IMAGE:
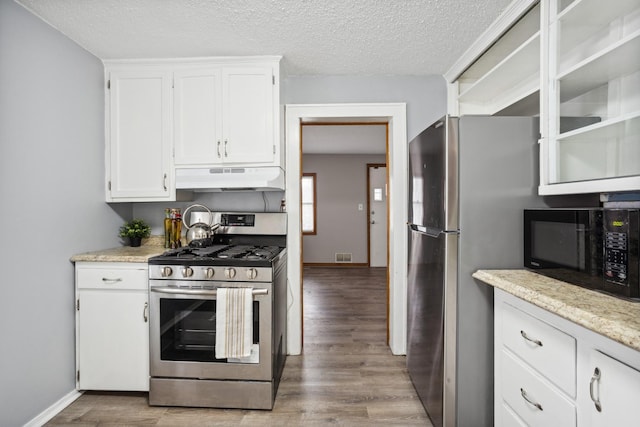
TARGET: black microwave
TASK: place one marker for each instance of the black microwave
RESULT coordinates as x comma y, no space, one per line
593,247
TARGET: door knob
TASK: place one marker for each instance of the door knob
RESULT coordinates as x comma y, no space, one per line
373,222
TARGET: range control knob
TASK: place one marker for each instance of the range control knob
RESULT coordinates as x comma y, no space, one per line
252,273
187,272
209,273
166,271
229,273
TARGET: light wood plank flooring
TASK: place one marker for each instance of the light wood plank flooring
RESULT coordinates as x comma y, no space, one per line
346,375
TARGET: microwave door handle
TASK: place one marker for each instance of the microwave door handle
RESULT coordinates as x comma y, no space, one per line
201,292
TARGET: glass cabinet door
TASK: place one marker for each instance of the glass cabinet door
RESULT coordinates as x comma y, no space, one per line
591,135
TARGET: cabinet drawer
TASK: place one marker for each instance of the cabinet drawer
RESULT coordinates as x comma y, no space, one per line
112,278
547,349
523,389
509,418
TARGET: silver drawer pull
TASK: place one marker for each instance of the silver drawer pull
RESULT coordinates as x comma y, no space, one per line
145,312
594,378
106,279
526,337
529,401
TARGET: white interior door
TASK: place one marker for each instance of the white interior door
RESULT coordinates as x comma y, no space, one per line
377,216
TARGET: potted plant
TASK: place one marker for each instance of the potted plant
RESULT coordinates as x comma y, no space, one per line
135,230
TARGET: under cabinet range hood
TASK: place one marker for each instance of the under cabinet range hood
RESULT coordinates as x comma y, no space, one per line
269,178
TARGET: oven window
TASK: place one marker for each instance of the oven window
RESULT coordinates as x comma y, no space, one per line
559,242
188,329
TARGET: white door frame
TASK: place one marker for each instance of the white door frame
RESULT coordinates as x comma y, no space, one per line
395,115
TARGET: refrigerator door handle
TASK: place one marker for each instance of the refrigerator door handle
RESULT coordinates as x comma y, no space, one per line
430,231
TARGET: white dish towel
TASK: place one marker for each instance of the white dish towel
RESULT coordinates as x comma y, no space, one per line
234,322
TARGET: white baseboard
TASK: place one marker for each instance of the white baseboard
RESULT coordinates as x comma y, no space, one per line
54,409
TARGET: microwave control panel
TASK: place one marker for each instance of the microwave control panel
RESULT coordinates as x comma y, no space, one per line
620,247
616,260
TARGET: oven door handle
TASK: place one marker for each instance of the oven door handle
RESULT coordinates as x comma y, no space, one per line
208,292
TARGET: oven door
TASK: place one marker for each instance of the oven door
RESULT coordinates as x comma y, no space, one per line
183,332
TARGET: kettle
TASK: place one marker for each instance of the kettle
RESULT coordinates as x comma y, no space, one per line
199,230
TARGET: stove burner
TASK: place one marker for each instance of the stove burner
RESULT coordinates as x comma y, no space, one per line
194,252
236,252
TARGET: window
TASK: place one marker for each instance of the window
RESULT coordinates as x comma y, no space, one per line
308,188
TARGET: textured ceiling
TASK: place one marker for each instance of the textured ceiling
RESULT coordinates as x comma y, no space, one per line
315,37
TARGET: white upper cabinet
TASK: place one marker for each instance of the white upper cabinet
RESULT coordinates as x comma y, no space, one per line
248,129
505,78
591,118
191,113
198,116
138,149
227,115
574,63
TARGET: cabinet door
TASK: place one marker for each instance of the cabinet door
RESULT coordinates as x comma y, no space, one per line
591,120
198,117
139,144
113,340
248,129
614,391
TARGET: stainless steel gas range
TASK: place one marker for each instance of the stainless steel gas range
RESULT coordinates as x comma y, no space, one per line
248,251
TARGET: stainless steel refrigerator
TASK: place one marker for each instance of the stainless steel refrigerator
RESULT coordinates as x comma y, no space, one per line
469,179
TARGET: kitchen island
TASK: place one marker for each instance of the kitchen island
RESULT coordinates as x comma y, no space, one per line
563,355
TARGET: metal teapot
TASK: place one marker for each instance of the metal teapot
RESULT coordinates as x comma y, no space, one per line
198,230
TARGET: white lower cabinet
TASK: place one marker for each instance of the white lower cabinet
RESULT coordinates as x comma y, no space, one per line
531,397
112,329
552,372
614,390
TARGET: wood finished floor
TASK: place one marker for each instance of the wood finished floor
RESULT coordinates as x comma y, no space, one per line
346,375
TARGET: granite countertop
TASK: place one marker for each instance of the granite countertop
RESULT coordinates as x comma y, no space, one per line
150,247
612,317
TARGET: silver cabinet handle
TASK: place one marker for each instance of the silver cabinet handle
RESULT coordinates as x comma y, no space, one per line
145,312
529,401
594,378
225,148
164,182
526,337
219,150
106,279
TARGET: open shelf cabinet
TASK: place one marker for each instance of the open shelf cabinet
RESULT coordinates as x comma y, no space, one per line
591,123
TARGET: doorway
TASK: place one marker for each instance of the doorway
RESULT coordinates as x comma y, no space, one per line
395,115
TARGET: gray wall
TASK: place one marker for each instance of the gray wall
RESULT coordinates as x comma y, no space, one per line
425,96
51,183
341,183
